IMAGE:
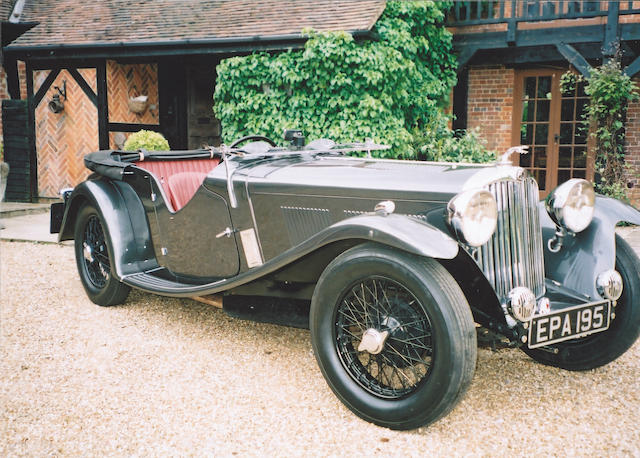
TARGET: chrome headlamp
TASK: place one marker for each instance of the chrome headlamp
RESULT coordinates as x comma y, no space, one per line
473,215
571,204
609,284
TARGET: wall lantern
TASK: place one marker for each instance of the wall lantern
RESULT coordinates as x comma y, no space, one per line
56,105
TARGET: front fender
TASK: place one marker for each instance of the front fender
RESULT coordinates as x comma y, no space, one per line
584,256
398,231
125,223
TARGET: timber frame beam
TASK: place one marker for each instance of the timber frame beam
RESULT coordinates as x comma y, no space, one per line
575,58
567,41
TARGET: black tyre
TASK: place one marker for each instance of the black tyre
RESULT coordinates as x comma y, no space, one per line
602,348
419,353
93,258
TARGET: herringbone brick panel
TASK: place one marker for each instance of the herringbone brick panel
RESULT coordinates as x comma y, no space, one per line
63,139
132,80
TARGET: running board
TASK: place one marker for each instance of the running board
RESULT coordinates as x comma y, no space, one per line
151,283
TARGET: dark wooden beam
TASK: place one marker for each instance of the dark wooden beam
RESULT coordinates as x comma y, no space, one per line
512,29
218,46
13,79
131,127
103,106
525,56
31,126
633,67
575,58
611,34
460,101
550,36
465,55
84,85
44,87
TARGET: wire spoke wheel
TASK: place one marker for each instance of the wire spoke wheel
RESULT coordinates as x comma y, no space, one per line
96,256
384,306
393,335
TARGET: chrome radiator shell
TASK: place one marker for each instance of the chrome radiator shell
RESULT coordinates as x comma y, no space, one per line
514,255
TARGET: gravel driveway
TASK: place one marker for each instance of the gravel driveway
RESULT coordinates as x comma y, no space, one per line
161,376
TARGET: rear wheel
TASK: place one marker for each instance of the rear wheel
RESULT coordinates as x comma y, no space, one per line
93,258
602,348
393,335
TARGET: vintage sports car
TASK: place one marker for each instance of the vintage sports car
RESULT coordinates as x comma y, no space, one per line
393,265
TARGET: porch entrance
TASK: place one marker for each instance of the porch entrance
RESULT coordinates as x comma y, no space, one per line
550,122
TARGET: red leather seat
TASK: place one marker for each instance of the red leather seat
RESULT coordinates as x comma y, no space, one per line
182,187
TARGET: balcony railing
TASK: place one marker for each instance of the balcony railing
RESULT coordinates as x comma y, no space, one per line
496,11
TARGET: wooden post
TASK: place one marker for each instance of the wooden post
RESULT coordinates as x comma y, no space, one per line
31,126
103,107
611,35
13,79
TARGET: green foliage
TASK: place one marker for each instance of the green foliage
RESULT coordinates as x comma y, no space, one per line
345,90
437,142
610,91
146,139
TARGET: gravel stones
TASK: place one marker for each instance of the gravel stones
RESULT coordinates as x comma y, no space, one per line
163,376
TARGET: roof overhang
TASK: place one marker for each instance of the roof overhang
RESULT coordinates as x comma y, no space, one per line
9,31
158,49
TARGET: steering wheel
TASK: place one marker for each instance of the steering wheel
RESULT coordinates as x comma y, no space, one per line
257,138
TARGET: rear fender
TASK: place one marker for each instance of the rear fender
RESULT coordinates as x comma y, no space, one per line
125,220
585,255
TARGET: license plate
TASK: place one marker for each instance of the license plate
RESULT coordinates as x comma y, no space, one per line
569,323
55,222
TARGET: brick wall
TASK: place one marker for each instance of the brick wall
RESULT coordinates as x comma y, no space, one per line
132,80
490,105
63,139
632,156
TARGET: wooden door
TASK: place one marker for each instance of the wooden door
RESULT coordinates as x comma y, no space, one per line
551,123
173,103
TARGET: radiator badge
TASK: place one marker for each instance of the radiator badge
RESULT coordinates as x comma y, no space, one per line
251,248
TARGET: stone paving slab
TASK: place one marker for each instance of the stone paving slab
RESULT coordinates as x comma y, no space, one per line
30,227
12,209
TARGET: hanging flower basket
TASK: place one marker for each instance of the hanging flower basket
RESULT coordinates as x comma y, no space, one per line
138,104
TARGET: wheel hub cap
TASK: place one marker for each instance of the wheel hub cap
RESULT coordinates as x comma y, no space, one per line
88,252
373,341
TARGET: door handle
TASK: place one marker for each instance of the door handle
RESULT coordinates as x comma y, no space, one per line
228,231
556,138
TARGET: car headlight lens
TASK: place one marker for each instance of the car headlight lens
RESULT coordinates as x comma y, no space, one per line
571,204
473,215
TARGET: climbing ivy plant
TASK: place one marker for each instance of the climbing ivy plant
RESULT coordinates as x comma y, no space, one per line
386,89
610,91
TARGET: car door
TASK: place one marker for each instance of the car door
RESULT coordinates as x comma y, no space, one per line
196,244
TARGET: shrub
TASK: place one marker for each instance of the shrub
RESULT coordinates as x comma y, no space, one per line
437,142
338,88
146,139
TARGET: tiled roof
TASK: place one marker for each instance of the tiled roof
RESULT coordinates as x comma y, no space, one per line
6,7
70,22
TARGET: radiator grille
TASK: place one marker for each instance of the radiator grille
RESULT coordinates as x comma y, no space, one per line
514,255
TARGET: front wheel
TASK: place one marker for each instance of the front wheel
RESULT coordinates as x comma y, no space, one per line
602,348
393,335
93,258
